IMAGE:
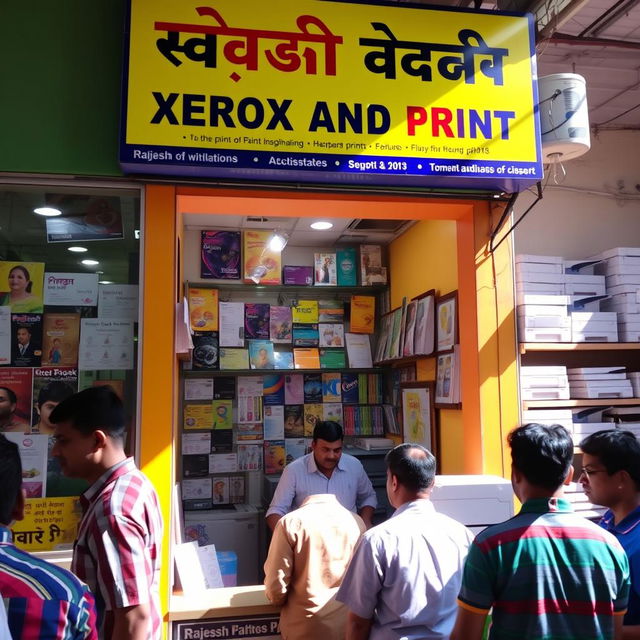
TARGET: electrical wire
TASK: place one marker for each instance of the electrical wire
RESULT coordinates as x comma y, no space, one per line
624,113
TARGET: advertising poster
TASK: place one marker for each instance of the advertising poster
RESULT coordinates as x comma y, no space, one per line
118,301
106,344
21,286
60,339
220,255
261,264
26,345
203,309
48,523
15,388
84,218
71,289
51,385
333,92
5,335
33,455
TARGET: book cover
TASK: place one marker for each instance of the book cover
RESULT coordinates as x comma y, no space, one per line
312,414
232,324
234,358
249,457
274,422
20,381
205,351
26,339
394,341
274,456
220,255
410,327
305,335
293,420
256,321
424,336
203,309
312,387
349,388
51,385
306,311
331,311
273,389
306,358
332,359
325,269
294,449
280,324
224,388
297,275
249,431
60,339
363,313
331,335
371,270
249,409
222,414
196,443
358,350
259,261
236,489
195,466
332,411
283,359
294,389
220,493
347,267
222,441
331,387
198,416
261,354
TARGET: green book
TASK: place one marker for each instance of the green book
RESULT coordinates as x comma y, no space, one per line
332,359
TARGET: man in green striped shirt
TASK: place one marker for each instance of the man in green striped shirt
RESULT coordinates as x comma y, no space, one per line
547,573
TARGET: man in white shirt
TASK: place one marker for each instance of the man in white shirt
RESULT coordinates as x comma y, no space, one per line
325,470
404,578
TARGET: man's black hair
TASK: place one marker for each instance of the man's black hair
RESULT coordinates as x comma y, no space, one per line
542,453
10,478
13,398
92,409
55,391
328,430
617,450
415,473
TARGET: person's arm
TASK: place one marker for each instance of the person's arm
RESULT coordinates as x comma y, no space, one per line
283,498
469,625
279,566
357,628
366,513
131,623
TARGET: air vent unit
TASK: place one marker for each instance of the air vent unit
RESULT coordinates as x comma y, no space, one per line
372,230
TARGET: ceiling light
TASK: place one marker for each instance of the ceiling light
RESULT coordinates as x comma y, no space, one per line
90,263
47,211
321,225
77,249
105,281
278,241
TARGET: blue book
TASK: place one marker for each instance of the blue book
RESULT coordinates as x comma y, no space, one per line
273,389
350,392
312,388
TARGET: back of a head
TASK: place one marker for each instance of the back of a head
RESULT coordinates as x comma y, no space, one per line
617,450
10,478
413,466
542,453
327,430
92,409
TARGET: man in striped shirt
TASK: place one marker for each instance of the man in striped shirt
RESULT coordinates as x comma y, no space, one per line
42,601
117,552
547,572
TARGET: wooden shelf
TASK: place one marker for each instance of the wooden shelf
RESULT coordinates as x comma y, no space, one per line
214,373
578,346
322,292
581,402
400,362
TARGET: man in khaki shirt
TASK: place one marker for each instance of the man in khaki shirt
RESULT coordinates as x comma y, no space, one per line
309,553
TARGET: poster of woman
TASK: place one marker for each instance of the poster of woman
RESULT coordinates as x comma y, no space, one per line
21,285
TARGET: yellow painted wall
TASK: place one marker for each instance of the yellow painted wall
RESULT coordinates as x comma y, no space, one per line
423,258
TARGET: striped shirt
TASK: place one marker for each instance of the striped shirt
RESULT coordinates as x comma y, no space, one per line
627,531
43,601
349,483
548,573
117,552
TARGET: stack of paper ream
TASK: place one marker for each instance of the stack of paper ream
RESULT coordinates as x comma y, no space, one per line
627,418
544,383
594,326
621,269
599,382
563,417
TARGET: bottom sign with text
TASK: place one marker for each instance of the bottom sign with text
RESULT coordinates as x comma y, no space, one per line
247,628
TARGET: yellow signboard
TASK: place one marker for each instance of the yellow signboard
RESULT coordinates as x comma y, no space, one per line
321,90
48,523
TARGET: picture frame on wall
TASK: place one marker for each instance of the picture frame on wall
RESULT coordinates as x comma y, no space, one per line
418,414
447,393
425,325
446,321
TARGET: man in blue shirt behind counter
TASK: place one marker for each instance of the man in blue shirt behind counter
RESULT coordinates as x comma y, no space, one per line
325,470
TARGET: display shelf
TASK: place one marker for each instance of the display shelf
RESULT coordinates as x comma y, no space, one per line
400,362
244,372
578,346
581,402
323,292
